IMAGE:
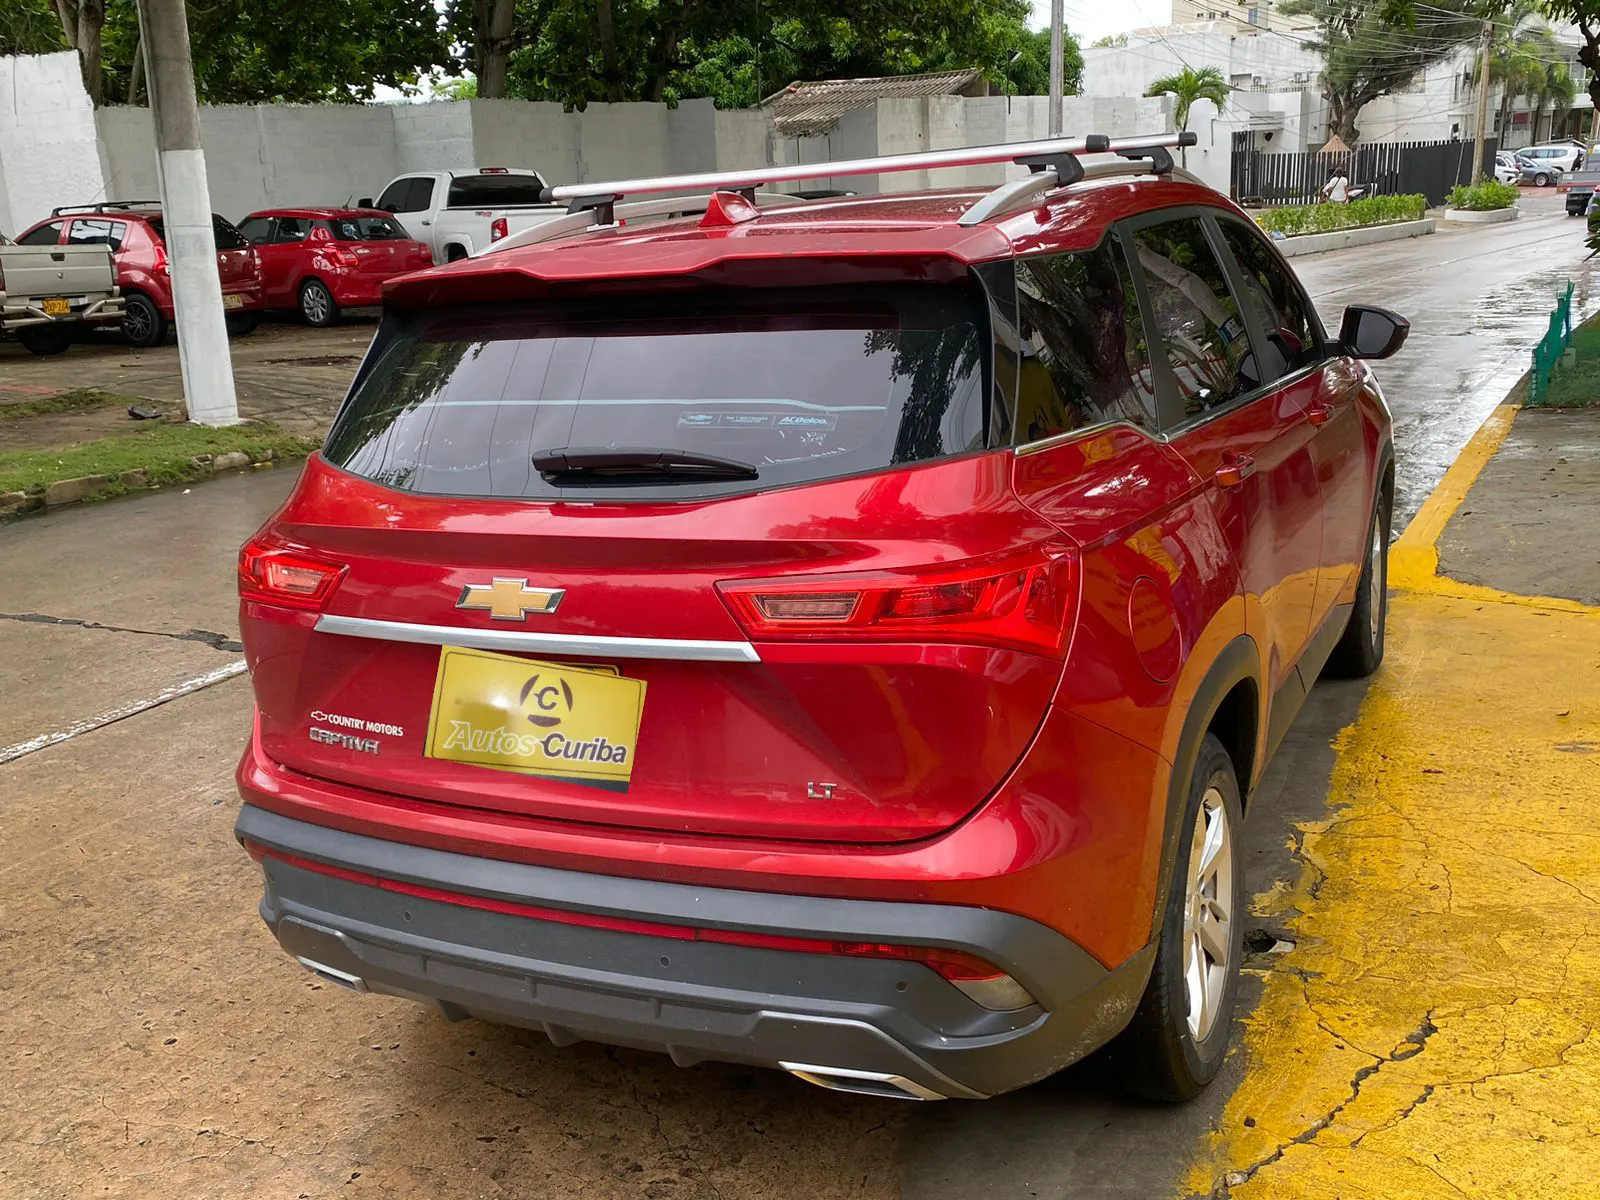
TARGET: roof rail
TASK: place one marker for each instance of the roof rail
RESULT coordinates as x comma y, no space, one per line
104,206
605,213
1054,151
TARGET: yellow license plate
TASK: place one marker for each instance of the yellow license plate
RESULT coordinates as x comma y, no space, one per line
535,718
233,301
57,306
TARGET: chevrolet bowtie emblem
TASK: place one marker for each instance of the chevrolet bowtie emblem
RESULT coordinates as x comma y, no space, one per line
510,599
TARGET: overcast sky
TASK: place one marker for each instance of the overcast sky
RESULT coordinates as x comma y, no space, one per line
1091,19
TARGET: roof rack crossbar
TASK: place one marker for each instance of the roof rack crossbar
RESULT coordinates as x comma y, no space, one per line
1051,172
927,160
581,218
104,206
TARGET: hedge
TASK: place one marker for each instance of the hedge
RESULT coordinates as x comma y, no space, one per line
1484,196
1294,220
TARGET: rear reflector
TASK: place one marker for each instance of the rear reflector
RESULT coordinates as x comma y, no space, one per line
289,578
1021,602
982,981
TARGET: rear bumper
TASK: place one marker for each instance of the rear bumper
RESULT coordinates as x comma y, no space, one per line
356,293
26,311
881,1026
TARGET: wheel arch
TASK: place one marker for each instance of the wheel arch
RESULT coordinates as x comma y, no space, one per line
1229,702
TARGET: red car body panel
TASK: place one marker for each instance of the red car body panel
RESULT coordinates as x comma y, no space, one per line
354,271
141,261
1032,780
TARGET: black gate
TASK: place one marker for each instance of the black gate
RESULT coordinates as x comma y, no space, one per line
1382,168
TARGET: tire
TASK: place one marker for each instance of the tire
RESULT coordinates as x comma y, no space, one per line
1163,1054
318,308
1541,180
142,322
1360,648
241,324
45,340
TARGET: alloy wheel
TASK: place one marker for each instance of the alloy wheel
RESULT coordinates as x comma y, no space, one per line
136,323
1208,914
315,304
1375,582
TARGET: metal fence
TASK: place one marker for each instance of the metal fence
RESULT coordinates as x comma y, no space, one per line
1552,346
1382,168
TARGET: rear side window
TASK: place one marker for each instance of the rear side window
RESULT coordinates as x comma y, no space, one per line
1084,355
802,385
494,191
1293,338
98,233
365,229
227,237
1195,315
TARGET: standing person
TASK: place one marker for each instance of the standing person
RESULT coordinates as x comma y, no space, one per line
1337,189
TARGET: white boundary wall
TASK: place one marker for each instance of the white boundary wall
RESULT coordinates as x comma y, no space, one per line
56,149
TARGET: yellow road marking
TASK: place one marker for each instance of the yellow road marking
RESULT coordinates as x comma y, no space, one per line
1414,557
1436,1030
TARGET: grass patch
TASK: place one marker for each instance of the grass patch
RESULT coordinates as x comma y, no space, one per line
162,450
73,401
1578,386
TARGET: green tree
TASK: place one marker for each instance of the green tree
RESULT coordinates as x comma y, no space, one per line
30,27
580,51
1189,86
1525,61
1585,14
1371,48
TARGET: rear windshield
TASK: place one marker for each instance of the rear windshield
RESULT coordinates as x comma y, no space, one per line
493,191
365,229
802,386
228,238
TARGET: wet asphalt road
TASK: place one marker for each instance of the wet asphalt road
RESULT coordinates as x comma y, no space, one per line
1478,299
162,1045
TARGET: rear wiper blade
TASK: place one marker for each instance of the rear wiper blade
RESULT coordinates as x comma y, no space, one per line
597,463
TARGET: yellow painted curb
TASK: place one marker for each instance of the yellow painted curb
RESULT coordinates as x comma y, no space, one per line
1414,557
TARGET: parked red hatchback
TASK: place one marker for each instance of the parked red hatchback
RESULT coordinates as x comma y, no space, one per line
834,636
317,261
135,231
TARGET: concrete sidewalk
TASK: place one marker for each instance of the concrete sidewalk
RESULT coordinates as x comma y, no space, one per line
1435,1032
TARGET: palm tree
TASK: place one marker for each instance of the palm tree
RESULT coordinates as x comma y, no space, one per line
1189,85
1525,60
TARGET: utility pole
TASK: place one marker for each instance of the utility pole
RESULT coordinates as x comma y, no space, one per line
186,206
1058,18
1479,168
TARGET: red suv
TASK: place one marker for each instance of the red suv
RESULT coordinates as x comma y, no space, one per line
135,232
319,260
837,636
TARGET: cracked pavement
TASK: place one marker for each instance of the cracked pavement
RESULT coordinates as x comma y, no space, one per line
1449,907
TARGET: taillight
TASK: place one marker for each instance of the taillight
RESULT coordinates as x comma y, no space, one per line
497,229
159,266
344,258
1022,602
288,578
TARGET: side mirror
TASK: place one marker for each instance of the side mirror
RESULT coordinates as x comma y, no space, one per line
1369,332
364,202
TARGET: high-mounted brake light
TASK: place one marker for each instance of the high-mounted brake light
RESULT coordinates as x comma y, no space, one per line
274,574
1022,602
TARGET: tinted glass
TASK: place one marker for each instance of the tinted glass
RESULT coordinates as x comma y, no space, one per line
804,385
394,196
227,237
46,235
292,229
97,233
494,191
419,196
1195,315
365,229
1280,306
257,230
1084,356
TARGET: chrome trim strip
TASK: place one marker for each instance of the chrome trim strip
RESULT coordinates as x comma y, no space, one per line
527,642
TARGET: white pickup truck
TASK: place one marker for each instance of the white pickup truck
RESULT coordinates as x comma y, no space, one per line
459,213
49,292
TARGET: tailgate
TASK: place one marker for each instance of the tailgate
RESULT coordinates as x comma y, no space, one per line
49,271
